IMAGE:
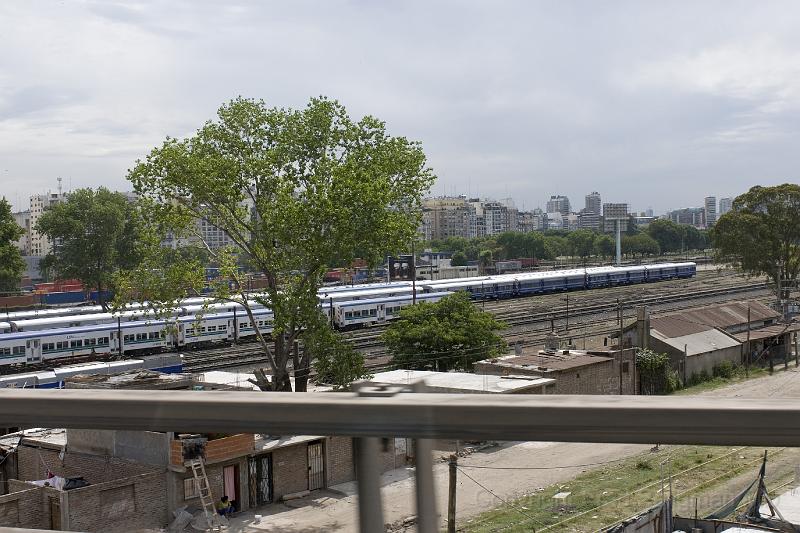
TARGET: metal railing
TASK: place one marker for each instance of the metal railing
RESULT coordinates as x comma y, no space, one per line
373,412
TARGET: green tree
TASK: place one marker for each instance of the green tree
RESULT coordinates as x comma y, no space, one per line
484,260
95,232
581,243
605,246
761,234
11,264
554,246
449,334
655,373
640,244
669,235
459,258
335,359
295,191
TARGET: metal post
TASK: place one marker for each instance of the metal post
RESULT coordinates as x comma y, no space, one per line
747,357
413,275
567,326
451,500
426,495
619,245
370,508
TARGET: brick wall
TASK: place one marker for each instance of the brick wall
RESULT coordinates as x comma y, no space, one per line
217,450
289,470
125,504
26,506
339,466
33,463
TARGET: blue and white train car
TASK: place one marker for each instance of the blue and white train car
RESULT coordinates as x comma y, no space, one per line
374,311
5,327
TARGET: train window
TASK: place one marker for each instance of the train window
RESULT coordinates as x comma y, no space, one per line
103,341
212,328
373,312
141,336
89,342
18,350
348,315
223,328
76,344
5,351
129,338
48,347
61,345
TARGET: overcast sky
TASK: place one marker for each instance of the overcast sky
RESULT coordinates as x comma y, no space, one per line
654,103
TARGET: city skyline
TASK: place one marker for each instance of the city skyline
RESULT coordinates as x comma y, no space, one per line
646,103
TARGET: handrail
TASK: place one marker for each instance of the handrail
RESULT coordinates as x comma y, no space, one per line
629,419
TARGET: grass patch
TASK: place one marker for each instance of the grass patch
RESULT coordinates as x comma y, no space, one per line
716,382
611,493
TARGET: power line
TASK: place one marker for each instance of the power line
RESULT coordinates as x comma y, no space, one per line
531,518
543,467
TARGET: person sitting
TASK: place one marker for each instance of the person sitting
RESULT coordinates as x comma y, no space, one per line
224,507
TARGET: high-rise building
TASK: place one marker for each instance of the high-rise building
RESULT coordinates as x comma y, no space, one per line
593,203
40,245
725,205
711,210
589,219
693,216
613,214
534,220
558,204
448,217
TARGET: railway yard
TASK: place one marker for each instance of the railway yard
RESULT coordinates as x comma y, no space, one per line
585,317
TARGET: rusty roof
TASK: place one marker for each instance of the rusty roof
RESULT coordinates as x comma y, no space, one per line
767,332
721,316
557,361
677,326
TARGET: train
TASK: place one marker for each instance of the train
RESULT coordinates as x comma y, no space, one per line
134,333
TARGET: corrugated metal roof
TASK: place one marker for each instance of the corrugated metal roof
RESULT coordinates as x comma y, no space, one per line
703,342
677,326
769,331
728,314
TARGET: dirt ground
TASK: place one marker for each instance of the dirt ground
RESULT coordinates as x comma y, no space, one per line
335,509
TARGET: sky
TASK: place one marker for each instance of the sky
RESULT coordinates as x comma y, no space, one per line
657,104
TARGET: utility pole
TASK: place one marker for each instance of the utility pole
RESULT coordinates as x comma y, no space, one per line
567,326
413,275
451,500
747,358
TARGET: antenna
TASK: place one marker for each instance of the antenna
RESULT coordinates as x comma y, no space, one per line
59,186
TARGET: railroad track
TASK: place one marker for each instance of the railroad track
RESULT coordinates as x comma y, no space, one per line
519,314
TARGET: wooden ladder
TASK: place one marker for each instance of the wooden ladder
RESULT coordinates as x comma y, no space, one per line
206,499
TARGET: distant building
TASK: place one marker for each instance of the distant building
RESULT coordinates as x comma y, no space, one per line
528,221
448,217
725,205
613,214
693,216
40,245
589,220
648,212
593,203
711,210
558,204
23,220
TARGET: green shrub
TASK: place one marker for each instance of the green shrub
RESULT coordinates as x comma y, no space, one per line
725,370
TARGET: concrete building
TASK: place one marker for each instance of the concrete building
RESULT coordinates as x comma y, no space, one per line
693,216
711,210
558,204
23,220
725,205
697,340
593,203
40,245
613,214
528,221
589,220
465,383
448,217
571,371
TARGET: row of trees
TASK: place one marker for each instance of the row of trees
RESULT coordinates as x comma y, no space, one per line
661,236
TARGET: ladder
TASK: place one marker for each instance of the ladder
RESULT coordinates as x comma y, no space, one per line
206,499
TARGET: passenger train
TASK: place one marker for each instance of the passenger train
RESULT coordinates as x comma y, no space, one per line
38,340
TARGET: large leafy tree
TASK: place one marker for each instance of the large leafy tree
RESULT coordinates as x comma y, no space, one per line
11,264
294,191
761,234
640,244
449,334
94,232
669,235
581,243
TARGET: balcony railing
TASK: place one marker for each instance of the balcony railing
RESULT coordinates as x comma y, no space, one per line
376,412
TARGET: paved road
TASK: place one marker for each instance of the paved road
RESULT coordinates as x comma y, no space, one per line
335,509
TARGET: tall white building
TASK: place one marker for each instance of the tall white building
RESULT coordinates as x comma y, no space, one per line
711,210
23,220
558,204
725,205
40,245
593,203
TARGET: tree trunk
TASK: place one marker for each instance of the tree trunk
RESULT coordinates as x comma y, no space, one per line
302,369
281,381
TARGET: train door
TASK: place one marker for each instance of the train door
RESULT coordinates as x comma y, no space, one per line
381,312
33,351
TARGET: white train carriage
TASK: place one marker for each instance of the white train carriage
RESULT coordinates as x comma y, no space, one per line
5,327
373,311
13,350
196,331
263,319
370,294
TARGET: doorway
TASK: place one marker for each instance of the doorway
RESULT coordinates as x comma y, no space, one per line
230,484
316,466
260,479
